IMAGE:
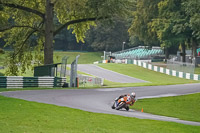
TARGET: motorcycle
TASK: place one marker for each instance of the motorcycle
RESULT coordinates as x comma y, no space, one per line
122,103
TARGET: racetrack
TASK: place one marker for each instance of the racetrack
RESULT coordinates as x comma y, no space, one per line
100,100
107,74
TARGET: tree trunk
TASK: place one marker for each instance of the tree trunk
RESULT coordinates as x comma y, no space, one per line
183,53
48,46
194,51
166,54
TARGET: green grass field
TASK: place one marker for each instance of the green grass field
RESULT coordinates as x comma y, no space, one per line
197,70
154,78
85,57
185,107
19,116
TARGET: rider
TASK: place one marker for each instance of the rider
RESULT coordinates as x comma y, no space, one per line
130,96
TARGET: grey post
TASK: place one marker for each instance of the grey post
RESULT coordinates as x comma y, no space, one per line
73,74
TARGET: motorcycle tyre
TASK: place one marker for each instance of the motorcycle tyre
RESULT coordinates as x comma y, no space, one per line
113,106
127,108
121,106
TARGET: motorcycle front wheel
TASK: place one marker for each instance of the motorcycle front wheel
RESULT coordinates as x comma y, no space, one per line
127,108
113,106
121,105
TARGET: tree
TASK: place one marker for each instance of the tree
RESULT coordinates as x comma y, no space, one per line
192,10
65,40
167,25
21,19
168,22
109,37
176,24
146,11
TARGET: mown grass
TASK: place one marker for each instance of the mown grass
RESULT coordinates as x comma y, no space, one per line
85,57
197,70
185,107
19,116
154,78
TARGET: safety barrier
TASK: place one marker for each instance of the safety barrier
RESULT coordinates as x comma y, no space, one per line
22,82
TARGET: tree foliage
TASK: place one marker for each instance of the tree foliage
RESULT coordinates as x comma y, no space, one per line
109,37
146,11
22,19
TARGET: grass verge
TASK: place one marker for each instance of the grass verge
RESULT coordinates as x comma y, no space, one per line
197,70
85,57
185,107
22,116
154,78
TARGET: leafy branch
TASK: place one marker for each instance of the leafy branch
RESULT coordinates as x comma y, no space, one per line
28,36
18,26
74,22
42,15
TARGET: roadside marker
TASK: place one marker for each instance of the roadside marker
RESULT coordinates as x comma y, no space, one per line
142,110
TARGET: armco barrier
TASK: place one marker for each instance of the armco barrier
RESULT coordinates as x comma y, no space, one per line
166,71
22,82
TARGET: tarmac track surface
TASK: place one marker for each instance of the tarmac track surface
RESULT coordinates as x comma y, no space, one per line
100,100
107,74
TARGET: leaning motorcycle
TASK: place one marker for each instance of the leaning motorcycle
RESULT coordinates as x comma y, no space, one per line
121,103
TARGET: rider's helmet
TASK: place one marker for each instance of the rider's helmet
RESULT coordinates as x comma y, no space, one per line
133,95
